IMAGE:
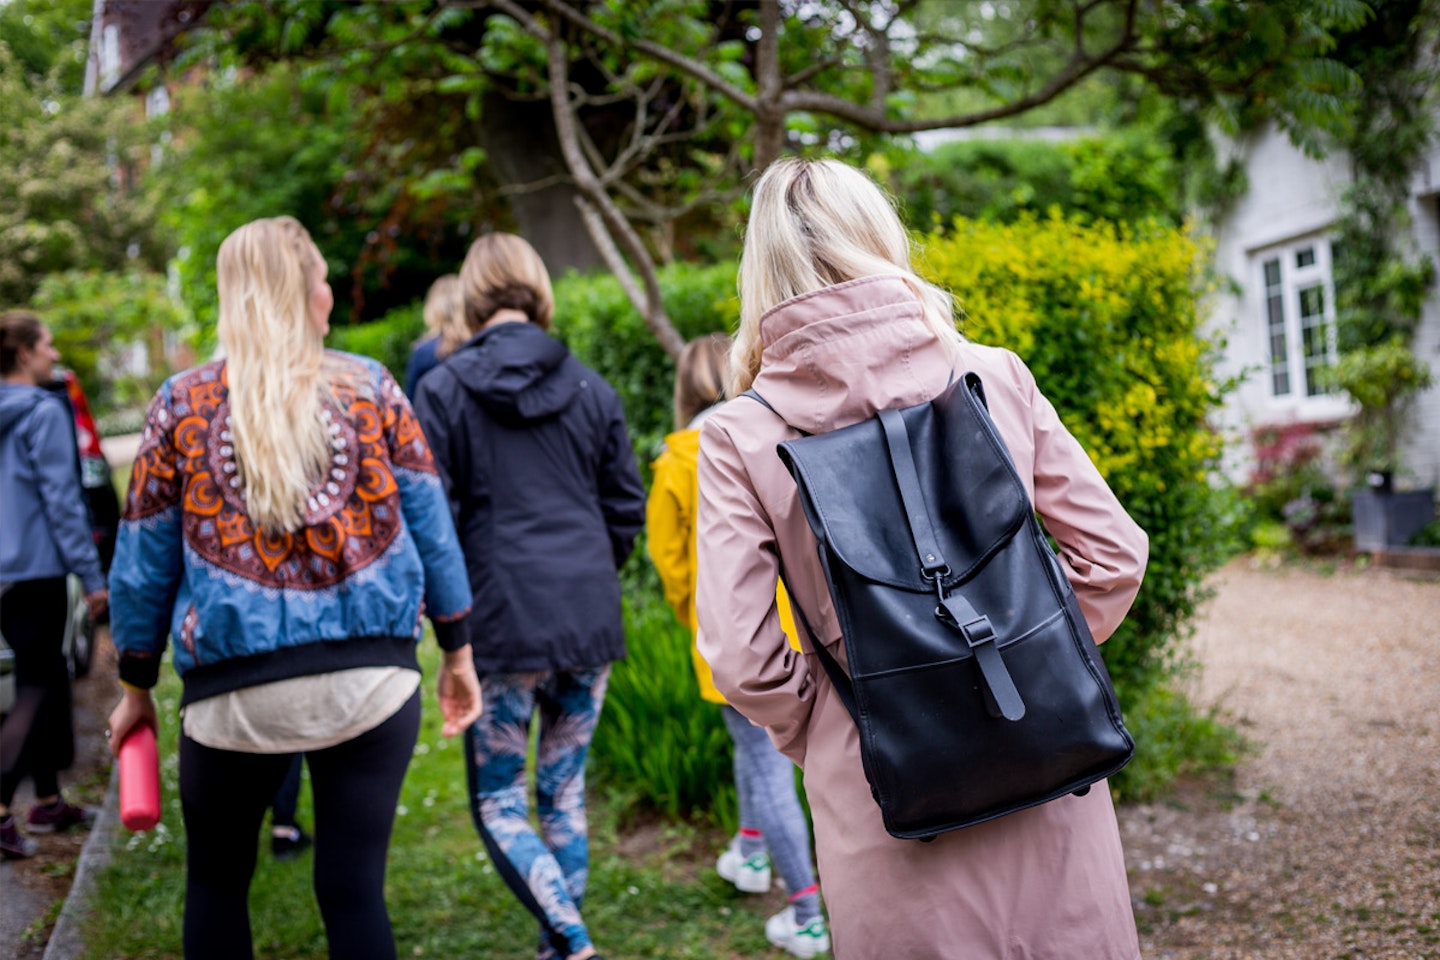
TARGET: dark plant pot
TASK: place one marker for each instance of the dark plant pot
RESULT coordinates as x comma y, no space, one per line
1390,518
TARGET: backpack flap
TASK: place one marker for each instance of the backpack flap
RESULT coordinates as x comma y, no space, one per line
849,494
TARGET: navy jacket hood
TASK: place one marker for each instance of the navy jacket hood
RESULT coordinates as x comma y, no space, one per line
518,372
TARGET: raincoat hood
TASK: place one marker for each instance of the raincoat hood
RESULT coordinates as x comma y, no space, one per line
518,372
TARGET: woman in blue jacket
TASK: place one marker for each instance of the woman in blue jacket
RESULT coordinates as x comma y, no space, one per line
535,457
285,524
44,534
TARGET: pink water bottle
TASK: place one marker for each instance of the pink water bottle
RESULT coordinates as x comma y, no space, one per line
139,779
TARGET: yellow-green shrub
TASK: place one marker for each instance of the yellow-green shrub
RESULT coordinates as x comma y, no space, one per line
1108,319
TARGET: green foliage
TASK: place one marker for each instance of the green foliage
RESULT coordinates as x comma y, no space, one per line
1381,378
286,141
1380,290
389,339
605,332
1108,319
1427,536
48,37
1173,739
1291,489
64,204
99,321
658,742
1114,177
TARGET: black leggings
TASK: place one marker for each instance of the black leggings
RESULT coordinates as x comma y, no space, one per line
38,736
355,786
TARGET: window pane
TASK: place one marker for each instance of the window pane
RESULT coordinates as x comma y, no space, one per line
1305,257
1315,336
1275,329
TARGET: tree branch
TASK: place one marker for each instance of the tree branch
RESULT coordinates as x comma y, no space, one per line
870,118
679,61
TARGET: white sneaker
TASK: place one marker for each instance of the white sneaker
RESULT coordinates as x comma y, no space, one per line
786,933
750,875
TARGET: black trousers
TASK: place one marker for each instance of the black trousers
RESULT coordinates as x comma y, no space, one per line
38,735
356,785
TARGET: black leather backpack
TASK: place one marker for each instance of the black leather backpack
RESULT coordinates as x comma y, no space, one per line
974,680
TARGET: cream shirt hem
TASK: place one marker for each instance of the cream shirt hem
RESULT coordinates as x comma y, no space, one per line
301,713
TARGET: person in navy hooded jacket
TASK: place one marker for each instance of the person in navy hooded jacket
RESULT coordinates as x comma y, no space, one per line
44,535
532,448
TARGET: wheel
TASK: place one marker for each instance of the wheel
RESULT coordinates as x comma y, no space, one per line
79,632
82,651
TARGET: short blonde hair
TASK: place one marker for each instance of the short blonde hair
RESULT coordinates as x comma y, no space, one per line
503,271
701,373
445,314
813,224
274,356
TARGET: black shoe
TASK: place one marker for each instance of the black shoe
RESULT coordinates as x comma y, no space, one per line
288,848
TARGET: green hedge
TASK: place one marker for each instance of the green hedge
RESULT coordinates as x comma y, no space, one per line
1109,321
598,323
1115,177
389,339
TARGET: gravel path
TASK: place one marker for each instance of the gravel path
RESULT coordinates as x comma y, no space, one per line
1327,844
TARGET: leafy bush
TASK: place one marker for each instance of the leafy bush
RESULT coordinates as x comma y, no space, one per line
593,316
1114,177
1290,486
1427,536
1108,320
389,339
658,742
1174,739
119,332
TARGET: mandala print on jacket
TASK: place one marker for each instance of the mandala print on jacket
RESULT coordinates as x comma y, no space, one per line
352,513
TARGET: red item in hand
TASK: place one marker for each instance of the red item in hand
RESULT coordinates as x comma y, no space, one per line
139,779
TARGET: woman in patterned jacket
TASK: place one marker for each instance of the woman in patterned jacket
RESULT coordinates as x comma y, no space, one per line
285,523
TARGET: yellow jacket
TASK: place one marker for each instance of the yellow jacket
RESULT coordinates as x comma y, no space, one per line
670,529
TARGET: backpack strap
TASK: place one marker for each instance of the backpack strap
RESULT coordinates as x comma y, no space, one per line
838,677
954,610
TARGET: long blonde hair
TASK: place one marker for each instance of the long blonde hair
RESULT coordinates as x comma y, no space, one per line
274,356
700,375
813,224
445,314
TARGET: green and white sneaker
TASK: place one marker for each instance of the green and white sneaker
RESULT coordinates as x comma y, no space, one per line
749,874
808,940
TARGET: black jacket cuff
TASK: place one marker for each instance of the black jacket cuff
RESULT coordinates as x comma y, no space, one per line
139,671
452,635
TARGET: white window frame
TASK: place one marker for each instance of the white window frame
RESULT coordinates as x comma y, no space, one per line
1284,286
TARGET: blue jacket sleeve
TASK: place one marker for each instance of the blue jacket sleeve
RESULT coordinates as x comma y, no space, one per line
427,517
52,447
622,495
149,560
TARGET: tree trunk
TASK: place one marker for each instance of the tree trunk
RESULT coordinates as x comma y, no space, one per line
519,140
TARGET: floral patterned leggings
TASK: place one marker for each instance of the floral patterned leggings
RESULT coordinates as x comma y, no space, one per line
547,875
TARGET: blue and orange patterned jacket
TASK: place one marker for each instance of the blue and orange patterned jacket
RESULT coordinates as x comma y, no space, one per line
377,550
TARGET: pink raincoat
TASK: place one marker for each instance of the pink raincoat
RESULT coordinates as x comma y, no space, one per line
1048,882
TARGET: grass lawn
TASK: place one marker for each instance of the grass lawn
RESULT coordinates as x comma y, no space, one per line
653,889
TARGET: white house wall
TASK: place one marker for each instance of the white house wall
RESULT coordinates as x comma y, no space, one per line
1421,446
1292,200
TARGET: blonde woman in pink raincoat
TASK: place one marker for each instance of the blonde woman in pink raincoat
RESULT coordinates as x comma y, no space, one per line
835,326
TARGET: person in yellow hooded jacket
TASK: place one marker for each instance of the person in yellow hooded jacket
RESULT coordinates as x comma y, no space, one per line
774,834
